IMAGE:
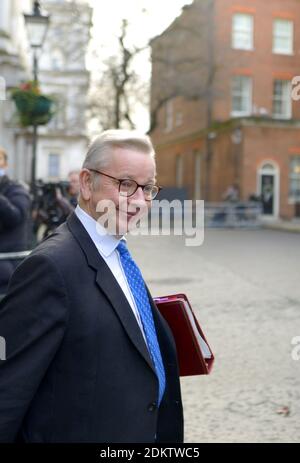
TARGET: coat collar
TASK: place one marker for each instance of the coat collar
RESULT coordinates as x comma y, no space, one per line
105,242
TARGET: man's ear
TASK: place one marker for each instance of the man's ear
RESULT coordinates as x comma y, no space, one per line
85,180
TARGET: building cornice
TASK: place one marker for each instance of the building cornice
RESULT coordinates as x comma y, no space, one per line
229,125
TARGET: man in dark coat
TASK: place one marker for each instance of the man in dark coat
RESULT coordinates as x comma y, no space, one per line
14,216
89,358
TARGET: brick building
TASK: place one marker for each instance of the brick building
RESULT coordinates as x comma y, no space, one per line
222,111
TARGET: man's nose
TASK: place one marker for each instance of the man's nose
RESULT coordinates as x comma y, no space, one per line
139,194
138,200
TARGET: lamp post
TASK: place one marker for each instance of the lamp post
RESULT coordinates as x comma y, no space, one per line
37,25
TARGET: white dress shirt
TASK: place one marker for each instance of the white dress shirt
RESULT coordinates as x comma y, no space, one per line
106,245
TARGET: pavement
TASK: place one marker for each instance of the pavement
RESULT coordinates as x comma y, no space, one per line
283,225
244,288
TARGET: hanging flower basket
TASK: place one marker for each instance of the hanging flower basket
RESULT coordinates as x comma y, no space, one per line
33,107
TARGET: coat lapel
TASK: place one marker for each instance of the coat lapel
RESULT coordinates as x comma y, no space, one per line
109,286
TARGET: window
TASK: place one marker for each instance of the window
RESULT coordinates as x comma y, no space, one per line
283,32
295,178
53,165
178,119
282,101
57,60
241,96
58,121
268,168
242,31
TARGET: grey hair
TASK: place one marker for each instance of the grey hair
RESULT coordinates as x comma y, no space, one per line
100,150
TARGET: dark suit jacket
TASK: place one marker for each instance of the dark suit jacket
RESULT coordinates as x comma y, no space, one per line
14,225
14,215
77,367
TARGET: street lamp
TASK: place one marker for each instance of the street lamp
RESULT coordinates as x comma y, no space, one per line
37,25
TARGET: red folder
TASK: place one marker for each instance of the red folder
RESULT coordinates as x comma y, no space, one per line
195,357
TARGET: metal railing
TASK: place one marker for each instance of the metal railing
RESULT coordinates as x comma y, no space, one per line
233,215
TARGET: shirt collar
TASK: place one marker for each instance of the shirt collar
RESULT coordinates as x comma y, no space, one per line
105,242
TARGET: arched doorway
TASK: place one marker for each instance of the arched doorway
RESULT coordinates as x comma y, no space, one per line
268,188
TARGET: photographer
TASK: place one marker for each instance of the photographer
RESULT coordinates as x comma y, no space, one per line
14,215
74,187
68,202
54,203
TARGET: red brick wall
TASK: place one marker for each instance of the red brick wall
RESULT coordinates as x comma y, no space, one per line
261,63
179,65
282,143
166,163
267,140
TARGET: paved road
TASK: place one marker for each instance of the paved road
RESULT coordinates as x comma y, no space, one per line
245,288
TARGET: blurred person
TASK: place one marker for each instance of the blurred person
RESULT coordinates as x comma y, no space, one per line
14,217
91,359
74,187
232,194
54,203
68,202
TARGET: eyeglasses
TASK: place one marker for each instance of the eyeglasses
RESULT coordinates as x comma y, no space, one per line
128,187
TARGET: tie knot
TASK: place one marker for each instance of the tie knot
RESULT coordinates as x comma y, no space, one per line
122,247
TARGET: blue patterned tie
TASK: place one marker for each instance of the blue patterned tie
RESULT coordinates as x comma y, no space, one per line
139,292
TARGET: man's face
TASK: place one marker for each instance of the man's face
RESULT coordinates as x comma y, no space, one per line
3,163
74,185
124,164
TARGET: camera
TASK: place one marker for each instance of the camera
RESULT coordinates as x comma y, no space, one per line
47,210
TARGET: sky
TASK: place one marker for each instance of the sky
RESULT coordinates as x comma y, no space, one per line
147,18
158,15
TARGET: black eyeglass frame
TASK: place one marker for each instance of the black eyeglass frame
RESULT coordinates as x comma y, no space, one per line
120,180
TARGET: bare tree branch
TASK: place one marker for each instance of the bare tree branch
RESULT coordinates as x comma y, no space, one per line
120,81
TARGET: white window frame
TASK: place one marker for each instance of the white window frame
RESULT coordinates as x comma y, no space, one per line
247,111
58,121
285,98
58,157
294,176
242,38
289,37
179,119
57,60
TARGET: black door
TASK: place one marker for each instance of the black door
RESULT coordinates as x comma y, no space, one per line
267,194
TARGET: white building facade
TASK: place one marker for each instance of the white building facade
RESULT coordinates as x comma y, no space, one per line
14,67
63,75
